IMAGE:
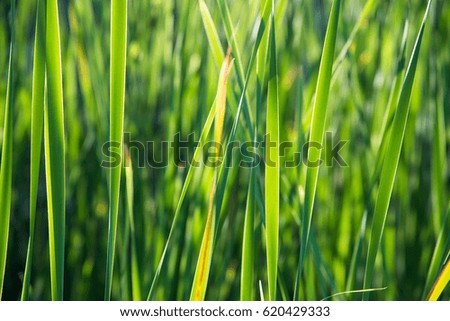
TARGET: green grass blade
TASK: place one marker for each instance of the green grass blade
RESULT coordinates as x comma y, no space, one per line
272,176
317,133
117,106
54,151
248,244
391,160
135,277
205,257
7,161
37,122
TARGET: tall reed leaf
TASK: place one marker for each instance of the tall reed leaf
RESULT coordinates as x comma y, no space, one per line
316,134
272,176
205,257
248,244
117,101
7,161
54,151
37,121
391,160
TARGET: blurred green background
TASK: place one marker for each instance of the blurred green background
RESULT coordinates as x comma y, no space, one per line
170,85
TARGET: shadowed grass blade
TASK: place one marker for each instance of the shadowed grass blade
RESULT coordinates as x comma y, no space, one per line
37,122
316,134
7,161
117,101
391,160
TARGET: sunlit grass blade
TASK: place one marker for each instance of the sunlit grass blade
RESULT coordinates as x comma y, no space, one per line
7,160
316,134
54,151
440,250
135,277
205,257
37,122
440,283
272,174
117,106
391,160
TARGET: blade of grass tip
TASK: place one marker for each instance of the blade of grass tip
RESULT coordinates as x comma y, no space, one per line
54,150
316,134
439,252
7,161
206,250
261,291
391,160
353,292
272,175
37,122
135,278
440,283
117,109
